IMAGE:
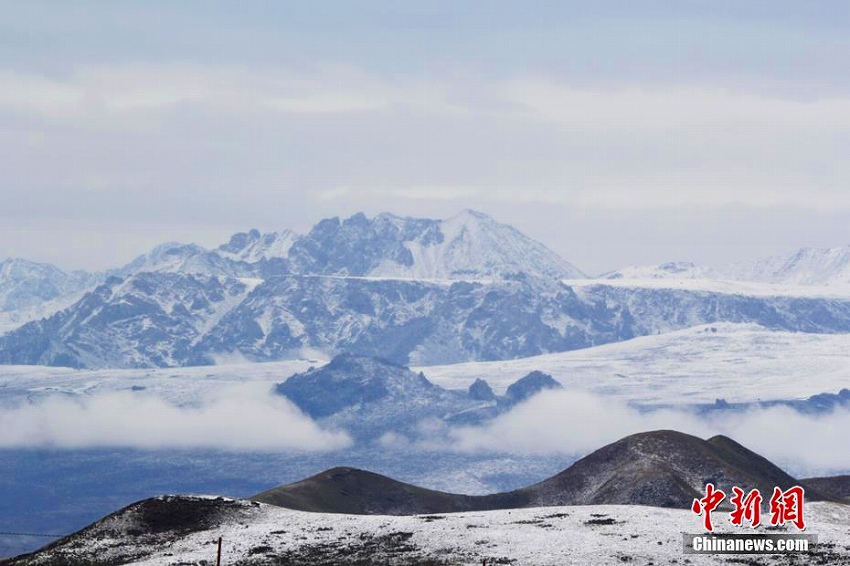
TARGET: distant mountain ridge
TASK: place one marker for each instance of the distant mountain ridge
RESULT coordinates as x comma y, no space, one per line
468,246
165,319
415,291
807,266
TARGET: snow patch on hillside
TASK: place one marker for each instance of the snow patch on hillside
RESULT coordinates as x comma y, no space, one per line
586,535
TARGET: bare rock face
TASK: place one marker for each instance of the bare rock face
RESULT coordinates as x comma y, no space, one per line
530,385
370,397
480,390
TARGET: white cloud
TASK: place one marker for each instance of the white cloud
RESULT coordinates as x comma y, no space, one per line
103,92
813,444
237,419
573,422
681,108
569,422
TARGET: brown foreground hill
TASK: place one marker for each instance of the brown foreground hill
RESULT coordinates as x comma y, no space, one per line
662,468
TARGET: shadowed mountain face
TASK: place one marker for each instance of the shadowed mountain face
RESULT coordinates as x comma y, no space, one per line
348,490
369,397
837,487
351,381
661,468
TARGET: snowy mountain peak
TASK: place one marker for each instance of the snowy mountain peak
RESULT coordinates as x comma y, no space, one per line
807,266
469,245
254,246
350,380
170,256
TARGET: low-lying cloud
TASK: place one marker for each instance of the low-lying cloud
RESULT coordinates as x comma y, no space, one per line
573,422
239,419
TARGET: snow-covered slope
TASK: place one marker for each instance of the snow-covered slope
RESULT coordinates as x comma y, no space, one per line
10,320
253,247
671,270
740,362
25,284
469,246
807,266
149,319
254,534
187,259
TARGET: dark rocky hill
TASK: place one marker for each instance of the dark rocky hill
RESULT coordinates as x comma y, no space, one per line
661,468
369,397
835,486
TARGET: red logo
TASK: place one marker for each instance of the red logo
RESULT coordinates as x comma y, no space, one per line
746,508
785,506
707,504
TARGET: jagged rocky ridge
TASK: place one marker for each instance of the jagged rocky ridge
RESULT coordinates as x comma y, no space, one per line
819,404
370,397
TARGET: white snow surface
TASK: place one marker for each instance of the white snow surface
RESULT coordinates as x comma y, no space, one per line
267,246
475,246
642,280
807,266
738,362
188,386
10,320
537,536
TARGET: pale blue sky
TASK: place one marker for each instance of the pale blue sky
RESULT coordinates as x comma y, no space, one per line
615,132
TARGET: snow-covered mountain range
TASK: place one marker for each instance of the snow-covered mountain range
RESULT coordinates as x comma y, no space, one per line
415,291
174,319
468,246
